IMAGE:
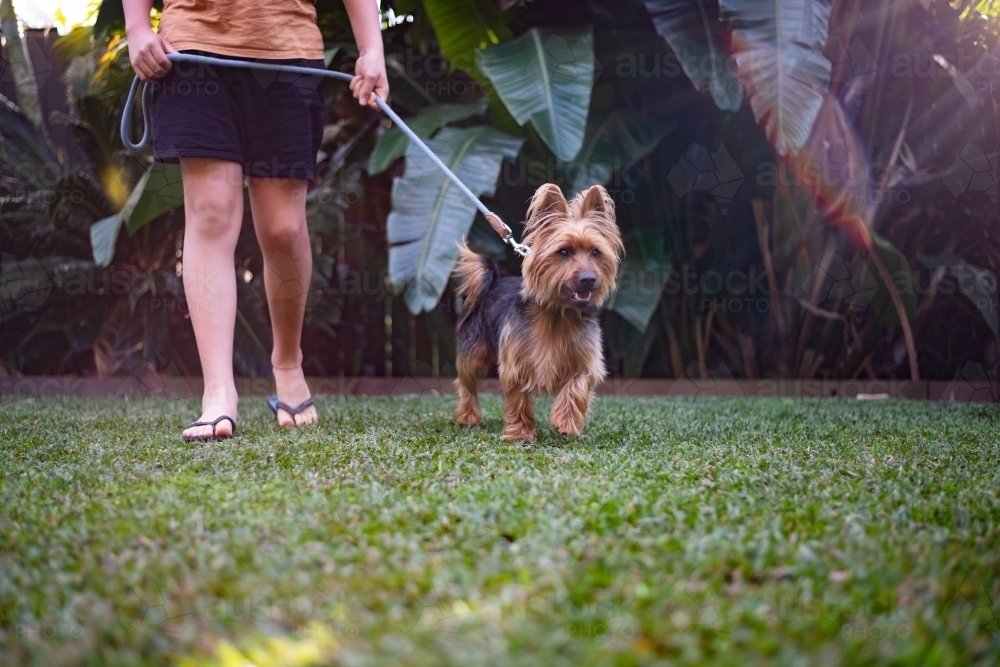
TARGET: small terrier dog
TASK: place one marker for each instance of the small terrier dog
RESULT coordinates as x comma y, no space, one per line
541,330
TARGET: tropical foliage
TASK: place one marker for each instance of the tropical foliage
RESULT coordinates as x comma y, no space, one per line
807,187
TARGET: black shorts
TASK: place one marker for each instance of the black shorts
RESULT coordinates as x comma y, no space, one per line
271,123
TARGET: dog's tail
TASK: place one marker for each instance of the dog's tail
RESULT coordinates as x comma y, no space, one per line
476,274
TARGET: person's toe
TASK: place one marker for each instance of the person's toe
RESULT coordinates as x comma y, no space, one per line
307,416
198,431
223,429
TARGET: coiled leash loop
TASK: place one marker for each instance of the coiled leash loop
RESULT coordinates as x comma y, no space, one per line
498,225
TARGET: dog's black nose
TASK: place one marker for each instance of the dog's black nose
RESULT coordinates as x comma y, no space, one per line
587,280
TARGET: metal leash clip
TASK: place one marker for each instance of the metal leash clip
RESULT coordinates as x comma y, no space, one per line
501,228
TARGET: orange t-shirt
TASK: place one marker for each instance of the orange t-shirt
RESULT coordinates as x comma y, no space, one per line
271,29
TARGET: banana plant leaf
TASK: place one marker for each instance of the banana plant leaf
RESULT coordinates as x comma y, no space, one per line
18,63
614,141
164,191
484,240
641,277
696,38
24,284
778,48
392,145
977,283
462,26
430,215
104,232
632,346
901,273
545,77
410,86
26,155
158,190
848,282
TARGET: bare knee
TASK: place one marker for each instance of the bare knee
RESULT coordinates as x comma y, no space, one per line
213,215
281,235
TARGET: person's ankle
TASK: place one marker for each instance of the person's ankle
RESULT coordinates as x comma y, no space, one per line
219,393
287,363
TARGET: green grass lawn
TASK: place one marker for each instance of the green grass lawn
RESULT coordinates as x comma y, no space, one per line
675,531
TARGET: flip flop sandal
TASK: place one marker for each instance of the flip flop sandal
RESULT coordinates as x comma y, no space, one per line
210,438
276,405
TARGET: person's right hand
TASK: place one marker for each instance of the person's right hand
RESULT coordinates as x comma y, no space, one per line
148,53
370,77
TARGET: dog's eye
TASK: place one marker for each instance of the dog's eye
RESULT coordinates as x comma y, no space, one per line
564,253
595,253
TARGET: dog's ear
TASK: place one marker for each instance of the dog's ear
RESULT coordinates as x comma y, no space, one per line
548,201
596,200
597,206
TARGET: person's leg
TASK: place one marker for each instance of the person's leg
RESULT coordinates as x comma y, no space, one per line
279,217
213,215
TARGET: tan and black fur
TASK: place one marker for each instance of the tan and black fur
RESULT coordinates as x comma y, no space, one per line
541,330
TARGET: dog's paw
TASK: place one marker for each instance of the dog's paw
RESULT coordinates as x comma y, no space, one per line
565,423
468,414
518,433
467,418
567,428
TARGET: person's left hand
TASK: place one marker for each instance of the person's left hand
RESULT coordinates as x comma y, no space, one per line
370,77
